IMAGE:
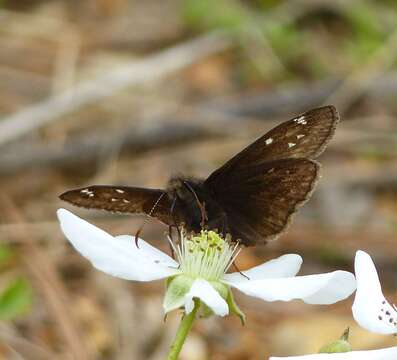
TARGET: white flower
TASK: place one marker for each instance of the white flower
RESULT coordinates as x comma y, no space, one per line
382,354
370,308
200,272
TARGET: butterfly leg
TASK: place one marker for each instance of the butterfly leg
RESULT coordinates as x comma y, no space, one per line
137,235
171,241
172,212
200,204
204,217
225,225
241,273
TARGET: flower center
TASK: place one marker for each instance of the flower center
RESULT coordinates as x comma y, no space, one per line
206,255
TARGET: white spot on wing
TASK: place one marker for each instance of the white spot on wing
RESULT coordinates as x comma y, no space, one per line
87,192
301,120
114,199
300,136
269,141
120,191
290,145
126,201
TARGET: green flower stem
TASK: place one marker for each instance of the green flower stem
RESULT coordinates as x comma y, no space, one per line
183,330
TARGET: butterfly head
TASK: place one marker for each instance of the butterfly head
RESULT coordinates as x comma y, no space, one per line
176,188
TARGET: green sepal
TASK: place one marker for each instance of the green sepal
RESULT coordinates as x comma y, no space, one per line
339,346
221,288
177,288
233,307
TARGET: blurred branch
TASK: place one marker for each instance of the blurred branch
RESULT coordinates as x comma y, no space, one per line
25,348
86,149
207,119
138,72
363,76
297,98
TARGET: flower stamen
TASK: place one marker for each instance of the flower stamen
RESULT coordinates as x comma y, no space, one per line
205,255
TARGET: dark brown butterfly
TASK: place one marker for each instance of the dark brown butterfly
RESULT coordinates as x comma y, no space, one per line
252,197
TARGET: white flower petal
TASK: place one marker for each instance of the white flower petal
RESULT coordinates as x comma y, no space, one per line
313,289
117,256
381,354
370,308
284,266
204,291
148,251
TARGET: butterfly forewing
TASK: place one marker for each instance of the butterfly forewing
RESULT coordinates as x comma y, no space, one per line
263,185
260,203
304,136
124,199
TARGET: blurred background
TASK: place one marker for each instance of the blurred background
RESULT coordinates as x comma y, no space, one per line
132,92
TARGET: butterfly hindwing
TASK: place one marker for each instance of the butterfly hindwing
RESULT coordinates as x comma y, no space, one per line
260,203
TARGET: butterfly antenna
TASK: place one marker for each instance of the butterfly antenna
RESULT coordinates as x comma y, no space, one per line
204,217
147,219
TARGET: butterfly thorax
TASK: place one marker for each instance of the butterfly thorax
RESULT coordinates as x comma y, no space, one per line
195,202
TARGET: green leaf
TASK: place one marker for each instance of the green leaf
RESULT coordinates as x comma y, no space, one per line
207,14
16,300
6,254
368,32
